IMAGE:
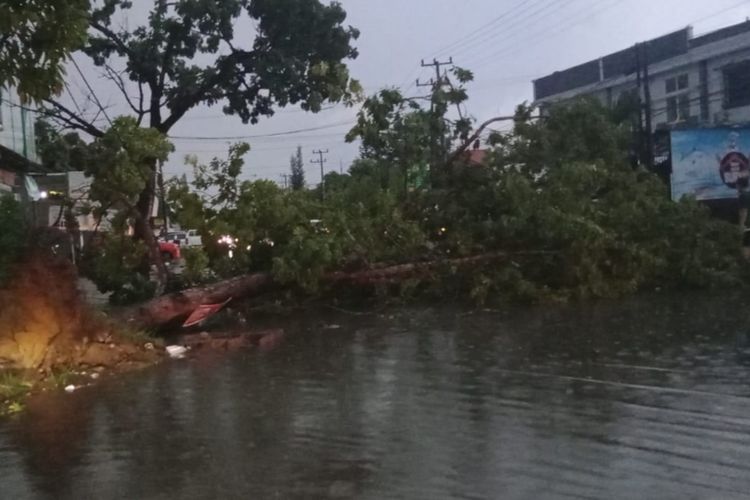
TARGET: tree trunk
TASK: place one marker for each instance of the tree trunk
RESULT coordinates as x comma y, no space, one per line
170,310
145,233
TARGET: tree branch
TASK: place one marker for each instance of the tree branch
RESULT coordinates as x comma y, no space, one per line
185,103
74,120
116,78
140,102
112,36
462,149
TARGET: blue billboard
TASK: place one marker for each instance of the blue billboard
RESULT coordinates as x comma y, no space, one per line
710,164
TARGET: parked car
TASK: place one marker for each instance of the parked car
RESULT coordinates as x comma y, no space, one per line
176,237
194,239
185,239
169,251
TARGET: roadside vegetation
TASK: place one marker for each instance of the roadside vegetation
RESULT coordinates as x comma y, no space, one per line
553,209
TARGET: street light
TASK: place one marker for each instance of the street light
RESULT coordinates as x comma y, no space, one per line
230,243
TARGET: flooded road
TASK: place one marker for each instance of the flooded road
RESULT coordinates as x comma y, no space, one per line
647,398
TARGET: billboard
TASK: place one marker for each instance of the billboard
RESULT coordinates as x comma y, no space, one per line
710,164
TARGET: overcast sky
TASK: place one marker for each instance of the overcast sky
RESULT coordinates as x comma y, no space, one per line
507,43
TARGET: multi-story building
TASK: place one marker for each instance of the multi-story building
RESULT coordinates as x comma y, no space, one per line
692,80
17,142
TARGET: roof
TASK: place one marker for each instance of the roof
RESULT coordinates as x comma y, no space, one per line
612,65
715,36
623,62
14,162
476,156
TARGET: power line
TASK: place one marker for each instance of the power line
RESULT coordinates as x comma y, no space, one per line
260,136
277,113
537,39
269,140
480,31
543,34
93,94
518,27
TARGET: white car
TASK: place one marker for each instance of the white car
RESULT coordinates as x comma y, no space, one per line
185,239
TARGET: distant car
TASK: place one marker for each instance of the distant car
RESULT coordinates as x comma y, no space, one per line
176,237
169,251
194,239
185,239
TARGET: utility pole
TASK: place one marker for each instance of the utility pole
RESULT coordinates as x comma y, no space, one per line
647,96
437,65
321,161
285,177
639,84
436,127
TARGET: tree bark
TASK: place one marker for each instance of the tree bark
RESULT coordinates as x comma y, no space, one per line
145,233
170,310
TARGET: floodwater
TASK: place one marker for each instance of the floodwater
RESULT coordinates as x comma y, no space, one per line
646,398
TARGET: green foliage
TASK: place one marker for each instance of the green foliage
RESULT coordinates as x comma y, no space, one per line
12,234
36,37
297,170
115,264
582,132
558,199
220,176
196,269
186,207
295,58
122,162
13,386
120,167
60,153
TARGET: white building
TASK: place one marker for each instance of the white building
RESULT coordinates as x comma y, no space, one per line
696,81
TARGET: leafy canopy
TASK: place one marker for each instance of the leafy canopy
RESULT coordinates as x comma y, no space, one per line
297,169
36,37
191,52
121,163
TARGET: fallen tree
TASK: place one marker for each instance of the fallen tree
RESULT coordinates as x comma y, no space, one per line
170,310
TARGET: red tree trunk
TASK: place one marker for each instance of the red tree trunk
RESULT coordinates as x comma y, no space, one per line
169,309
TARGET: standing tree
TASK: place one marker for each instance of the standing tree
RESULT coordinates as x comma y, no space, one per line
36,37
120,168
297,166
188,54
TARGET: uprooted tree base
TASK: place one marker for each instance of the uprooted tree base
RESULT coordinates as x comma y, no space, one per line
45,325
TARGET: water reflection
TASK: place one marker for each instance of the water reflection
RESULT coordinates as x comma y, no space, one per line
640,398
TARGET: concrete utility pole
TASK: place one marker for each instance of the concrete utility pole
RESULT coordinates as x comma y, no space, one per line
639,83
645,127
436,126
647,97
322,161
437,65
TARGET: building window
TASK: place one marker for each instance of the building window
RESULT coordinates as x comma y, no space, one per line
682,82
676,83
678,108
737,85
683,105
671,85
